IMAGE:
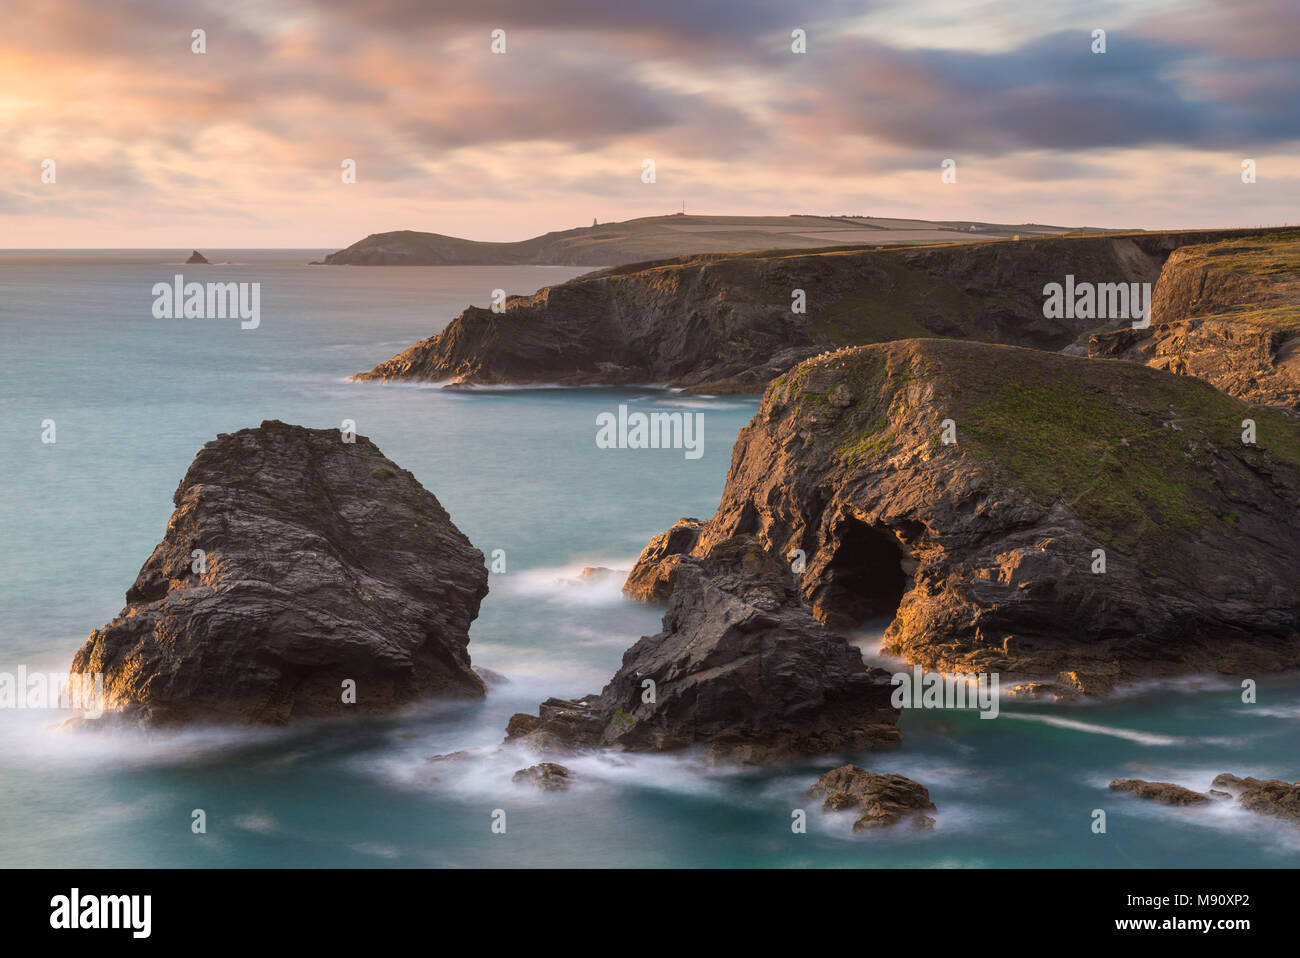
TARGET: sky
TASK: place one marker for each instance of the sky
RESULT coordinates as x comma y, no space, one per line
243,145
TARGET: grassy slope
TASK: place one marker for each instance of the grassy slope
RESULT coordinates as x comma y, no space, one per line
1143,457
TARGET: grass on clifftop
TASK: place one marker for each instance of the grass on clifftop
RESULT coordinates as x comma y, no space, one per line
1272,264
1144,458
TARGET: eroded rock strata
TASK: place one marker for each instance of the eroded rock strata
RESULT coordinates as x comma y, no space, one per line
1228,313
293,562
726,323
984,554
741,671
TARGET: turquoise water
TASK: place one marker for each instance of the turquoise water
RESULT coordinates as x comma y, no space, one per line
134,397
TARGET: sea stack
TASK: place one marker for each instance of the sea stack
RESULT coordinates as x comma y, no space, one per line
197,257
1016,511
300,575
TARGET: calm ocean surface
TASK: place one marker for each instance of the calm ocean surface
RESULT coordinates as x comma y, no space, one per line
134,398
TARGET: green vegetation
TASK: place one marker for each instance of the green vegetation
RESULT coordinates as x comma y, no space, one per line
383,472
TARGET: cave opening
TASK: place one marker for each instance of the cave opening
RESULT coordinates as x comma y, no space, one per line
866,577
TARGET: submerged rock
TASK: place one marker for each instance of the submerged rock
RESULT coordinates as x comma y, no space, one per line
741,670
293,563
882,800
1164,792
1050,518
197,257
548,776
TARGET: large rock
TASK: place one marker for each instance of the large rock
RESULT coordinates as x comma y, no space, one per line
324,561
197,258
1228,313
741,670
881,800
981,553
725,323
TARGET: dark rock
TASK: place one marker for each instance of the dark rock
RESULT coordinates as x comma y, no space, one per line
741,670
548,776
197,257
1163,792
324,562
980,553
883,800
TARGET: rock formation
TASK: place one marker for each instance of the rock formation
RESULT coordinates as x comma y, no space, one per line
1164,792
741,670
197,257
729,323
293,563
1271,797
547,776
882,800
972,496
1228,313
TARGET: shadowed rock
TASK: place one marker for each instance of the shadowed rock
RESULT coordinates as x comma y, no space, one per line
741,670
548,776
293,562
1271,797
197,257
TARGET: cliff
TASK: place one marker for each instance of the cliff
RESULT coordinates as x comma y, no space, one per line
1228,313
983,553
725,323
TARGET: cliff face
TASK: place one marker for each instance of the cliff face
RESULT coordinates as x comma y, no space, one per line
1228,313
725,323
982,553
293,563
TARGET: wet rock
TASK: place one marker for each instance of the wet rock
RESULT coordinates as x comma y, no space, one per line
1271,797
548,776
293,563
741,670
1164,792
882,800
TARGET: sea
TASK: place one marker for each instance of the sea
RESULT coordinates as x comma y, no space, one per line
129,398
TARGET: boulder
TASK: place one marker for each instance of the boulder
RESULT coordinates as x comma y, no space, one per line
882,800
1164,792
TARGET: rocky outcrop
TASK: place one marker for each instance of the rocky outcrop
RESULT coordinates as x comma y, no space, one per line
1271,797
729,323
882,800
547,776
197,258
1164,792
655,573
294,562
1228,313
741,671
971,495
